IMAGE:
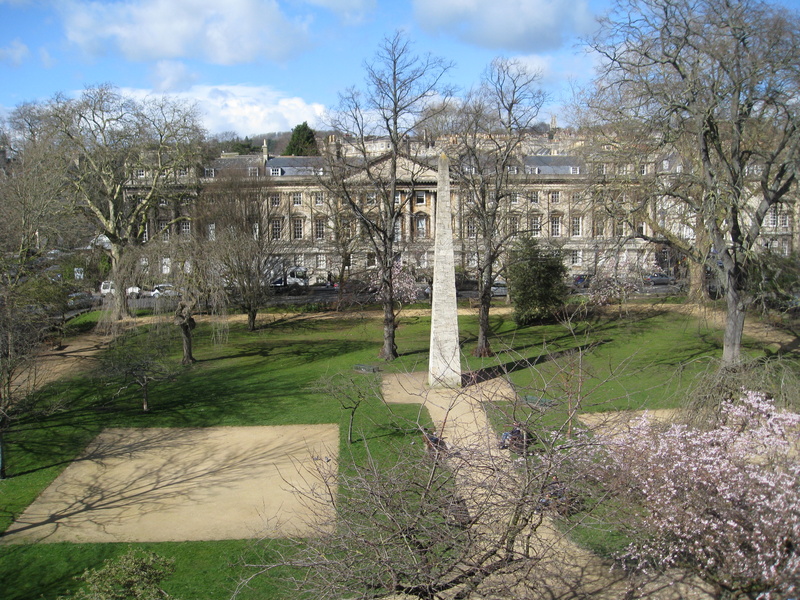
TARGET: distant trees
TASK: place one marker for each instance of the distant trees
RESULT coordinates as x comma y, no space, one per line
400,92
303,142
241,227
708,88
535,276
120,157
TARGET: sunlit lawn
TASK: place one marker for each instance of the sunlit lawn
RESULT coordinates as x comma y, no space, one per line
271,377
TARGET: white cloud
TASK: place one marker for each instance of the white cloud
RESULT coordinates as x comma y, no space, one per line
171,76
228,32
15,53
518,25
248,110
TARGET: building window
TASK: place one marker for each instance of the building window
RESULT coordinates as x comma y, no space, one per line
575,170
576,227
472,230
555,226
514,198
555,197
275,171
600,169
145,232
212,232
186,228
276,229
420,196
163,227
139,173
665,165
319,229
536,226
255,229
422,226
297,198
208,172
513,225
320,261
297,229
372,260
397,198
319,198
274,200
166,265
598,227
512,170
783,220
639,228
619,227
772,216
575,257
534,197
533,170
162,201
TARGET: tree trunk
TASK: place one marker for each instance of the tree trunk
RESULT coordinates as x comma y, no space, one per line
697,282
251,319
184,319
389,349
186,334
734,324
2,452
118,298
145,396
484,347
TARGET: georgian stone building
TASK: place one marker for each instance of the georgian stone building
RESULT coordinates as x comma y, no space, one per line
551,195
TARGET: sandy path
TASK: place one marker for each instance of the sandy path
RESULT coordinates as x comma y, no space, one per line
158,485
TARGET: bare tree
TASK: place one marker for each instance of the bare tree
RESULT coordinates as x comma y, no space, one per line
234,226
32,214
121,156
400,90
489,134
697,102
137,359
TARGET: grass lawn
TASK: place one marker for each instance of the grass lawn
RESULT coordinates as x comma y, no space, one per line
271,376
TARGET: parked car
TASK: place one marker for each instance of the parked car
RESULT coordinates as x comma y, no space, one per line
166,290
80,300
581,281
659,279
106,288
500,288
133,292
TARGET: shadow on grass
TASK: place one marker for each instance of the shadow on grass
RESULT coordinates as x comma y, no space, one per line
485,374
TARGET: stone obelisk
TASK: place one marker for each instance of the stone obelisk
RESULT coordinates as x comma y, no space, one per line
444,368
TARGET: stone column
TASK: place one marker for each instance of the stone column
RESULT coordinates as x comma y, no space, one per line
444,369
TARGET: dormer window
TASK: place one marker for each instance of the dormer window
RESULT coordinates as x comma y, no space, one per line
252,171
275,171
208,172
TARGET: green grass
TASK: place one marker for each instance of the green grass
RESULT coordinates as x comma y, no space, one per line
271,376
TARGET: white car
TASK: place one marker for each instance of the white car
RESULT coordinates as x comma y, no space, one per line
166,290
106,288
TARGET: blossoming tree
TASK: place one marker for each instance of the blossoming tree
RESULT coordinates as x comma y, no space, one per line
720,502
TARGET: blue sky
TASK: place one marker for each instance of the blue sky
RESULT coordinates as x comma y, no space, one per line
258,66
